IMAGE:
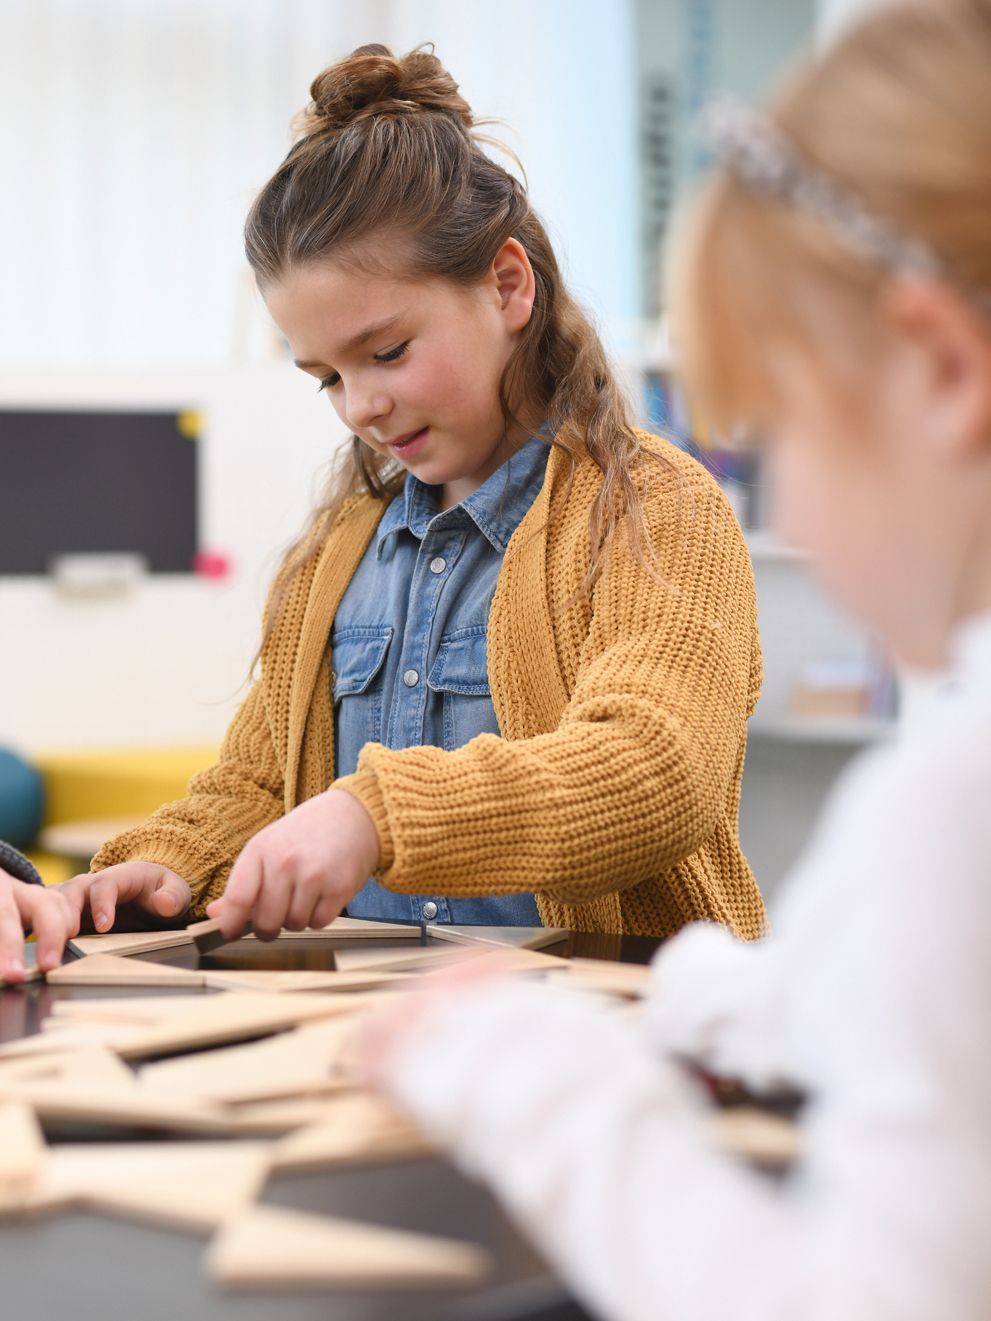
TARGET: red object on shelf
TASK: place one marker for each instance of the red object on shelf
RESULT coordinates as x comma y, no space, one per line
212,564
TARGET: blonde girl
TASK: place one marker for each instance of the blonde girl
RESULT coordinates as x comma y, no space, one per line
507,670
833,291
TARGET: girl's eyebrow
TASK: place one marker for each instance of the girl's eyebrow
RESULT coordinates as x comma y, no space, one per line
356,341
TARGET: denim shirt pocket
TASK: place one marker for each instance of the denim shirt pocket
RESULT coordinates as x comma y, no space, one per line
460,675
358,654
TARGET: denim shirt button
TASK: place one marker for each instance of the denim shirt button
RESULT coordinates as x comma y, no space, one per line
438,565
430,910
411,678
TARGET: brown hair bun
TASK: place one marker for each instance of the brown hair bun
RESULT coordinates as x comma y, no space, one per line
372,82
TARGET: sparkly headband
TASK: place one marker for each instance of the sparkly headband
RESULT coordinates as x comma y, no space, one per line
747,143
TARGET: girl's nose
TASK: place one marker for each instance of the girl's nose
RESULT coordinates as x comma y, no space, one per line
364,408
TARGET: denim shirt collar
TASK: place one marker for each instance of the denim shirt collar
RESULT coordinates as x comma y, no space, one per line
496,508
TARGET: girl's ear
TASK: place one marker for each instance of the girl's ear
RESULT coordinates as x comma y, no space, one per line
512,277
952,343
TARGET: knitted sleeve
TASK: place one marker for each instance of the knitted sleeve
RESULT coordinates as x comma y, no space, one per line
200,836
642,765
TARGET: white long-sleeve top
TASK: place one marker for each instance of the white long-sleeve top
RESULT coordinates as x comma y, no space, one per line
874,995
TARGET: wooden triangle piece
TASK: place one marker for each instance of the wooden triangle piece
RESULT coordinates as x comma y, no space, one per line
223,1018
768,1140
356,1128
22,1151
129,942
263,979
116,1105
271,1247
513,937
193,1186
114,970
626,979
291,1064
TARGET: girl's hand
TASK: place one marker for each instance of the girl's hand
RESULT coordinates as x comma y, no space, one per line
154,889
51,915
301,871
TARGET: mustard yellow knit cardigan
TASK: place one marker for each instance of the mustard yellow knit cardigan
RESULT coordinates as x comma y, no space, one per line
613,790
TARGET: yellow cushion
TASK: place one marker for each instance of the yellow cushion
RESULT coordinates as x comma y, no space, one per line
116,782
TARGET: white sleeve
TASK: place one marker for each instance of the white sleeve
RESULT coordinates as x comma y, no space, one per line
603,1155
713,999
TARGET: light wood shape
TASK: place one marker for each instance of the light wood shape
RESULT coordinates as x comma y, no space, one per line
356,1128
505,937
227,1018
122,1009
270,1247
297,1063
263,979
114,970
188,1186
116,1105
22,1150
630,980
761,1138
129,942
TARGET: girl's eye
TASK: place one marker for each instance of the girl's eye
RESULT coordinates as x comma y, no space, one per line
329,382
393,355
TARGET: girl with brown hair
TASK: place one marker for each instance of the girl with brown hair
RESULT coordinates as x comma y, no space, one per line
506,672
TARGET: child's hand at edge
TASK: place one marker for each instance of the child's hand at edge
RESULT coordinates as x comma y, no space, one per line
302,870
52,916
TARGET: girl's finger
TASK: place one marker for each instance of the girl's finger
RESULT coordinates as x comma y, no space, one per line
271,904
303,901
11,937
50,920
327,908
241,895
170,897
103,894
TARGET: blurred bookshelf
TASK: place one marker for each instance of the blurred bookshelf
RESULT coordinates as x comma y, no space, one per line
829,691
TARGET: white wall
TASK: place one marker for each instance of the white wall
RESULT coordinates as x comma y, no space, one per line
133,134
166,662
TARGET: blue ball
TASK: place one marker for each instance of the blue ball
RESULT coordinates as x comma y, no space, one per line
22,800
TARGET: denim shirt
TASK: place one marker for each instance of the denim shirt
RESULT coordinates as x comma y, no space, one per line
409,649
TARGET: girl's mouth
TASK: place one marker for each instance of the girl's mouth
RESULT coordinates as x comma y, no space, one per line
405,446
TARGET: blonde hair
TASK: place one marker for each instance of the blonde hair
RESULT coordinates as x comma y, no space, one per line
897,113
389,147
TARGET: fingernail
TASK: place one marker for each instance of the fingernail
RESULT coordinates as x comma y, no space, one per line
13,968
48,958
101,920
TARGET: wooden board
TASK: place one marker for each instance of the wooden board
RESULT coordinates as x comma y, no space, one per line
227,1018
22,1150
291,1064
129,942
113,1105
89,1064
273,1248
511,937
115,970
137,1009
357,1128
263,979
191,1186
768,1140
630,980
414,959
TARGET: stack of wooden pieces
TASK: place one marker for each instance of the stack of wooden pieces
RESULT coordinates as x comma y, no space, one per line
255,1065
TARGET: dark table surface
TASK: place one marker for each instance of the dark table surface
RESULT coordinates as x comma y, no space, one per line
92,1268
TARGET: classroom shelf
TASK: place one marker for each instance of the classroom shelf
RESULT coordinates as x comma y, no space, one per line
765,546
828,732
